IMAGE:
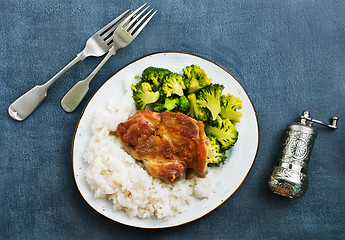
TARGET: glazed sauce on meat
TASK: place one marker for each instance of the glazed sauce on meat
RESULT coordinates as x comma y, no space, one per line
168,143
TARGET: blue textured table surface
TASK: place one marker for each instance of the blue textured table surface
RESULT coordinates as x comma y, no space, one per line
288,55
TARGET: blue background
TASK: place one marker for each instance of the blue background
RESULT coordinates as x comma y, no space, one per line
289,56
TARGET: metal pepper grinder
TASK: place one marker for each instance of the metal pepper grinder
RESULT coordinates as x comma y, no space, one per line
289,177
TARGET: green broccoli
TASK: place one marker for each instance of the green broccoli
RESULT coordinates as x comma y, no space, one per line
167,105
195,78
225,132
176,104
195,111
215,154
216,122
143,95
173,84
184,104
229,104
154,76
209,97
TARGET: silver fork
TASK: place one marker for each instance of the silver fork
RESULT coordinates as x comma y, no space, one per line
96,46
123,35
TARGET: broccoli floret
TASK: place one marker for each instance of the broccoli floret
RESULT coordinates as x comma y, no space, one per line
209,97
167,105
173,84
143,95
176,104
225,132
216,122
215,154
229,104
184,104
195,78
195,111
154,76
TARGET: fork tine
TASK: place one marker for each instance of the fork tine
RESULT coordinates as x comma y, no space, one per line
126,20
144,24
104,29
137,23
131,23
108,33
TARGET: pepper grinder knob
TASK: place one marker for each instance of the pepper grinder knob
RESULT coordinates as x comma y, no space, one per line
306,118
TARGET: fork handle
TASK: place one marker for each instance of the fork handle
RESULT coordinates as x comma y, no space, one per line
28,102
111,52
75,95
80,57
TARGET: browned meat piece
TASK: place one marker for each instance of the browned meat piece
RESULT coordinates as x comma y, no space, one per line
167,143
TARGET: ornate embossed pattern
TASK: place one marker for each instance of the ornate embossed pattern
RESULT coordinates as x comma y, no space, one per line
288,183
297,148
289,178
288,174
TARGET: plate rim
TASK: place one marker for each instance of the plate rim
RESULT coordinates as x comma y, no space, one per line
139,59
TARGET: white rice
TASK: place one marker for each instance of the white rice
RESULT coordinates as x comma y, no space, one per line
115,175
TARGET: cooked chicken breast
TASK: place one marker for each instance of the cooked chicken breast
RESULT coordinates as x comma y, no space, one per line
168,144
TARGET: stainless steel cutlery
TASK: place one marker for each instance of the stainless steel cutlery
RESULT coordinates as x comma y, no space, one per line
123,35
115,35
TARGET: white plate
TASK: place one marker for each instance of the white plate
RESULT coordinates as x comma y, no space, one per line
229,176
